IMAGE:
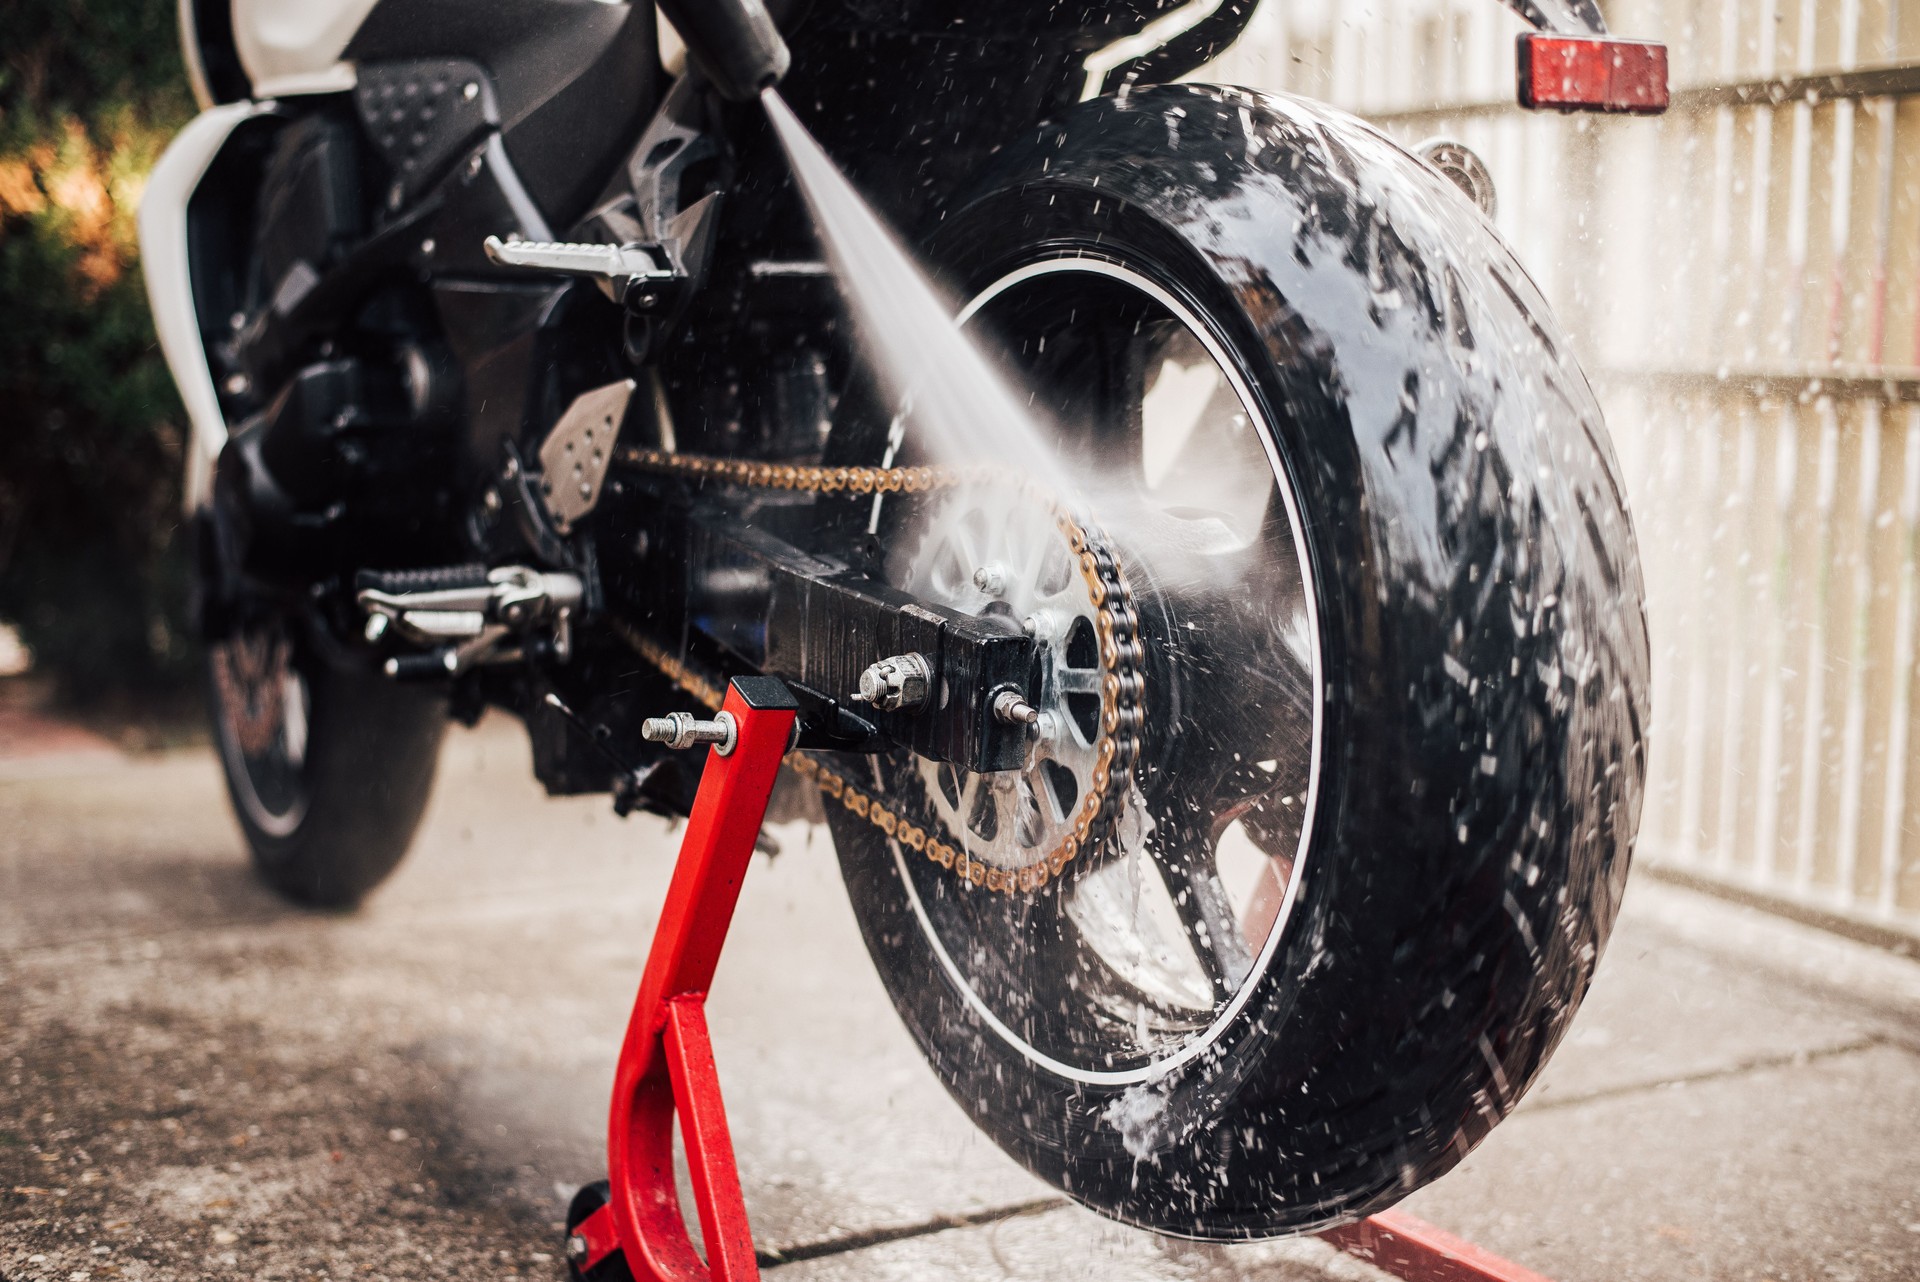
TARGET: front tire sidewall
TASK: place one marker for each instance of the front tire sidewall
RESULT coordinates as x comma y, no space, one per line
1484,669
371,752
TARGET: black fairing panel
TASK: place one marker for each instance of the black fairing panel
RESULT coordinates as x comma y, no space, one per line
422,114
574,79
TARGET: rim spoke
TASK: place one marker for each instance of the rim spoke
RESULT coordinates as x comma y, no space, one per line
1079,681
1205,909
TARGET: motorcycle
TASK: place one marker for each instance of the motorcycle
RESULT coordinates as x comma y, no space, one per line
1236,843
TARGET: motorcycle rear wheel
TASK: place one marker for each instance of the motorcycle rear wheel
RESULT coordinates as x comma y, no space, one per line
1447,703
329,766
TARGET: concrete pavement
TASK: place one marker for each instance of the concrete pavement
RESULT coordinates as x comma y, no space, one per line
201,1082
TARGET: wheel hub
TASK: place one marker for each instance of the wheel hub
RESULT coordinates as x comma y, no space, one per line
994,550
260,693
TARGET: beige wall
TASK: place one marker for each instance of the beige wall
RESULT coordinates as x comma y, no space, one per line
1743,279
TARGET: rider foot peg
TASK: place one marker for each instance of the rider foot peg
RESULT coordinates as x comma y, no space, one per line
684,730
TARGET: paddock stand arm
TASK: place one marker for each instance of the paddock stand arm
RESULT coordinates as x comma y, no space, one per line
1414,1251
666,1063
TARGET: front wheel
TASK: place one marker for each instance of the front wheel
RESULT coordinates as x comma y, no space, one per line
329,766
1394,668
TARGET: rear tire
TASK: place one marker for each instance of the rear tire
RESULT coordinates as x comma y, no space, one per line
1482,679
329,765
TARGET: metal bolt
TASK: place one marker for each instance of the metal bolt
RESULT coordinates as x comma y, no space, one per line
1009,707
491,501
576,1248
237,384
991,579
684,730
377,625
900,683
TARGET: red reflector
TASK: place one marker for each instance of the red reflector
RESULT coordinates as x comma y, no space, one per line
1589,73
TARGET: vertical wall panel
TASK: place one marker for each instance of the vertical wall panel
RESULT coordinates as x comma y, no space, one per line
1742,279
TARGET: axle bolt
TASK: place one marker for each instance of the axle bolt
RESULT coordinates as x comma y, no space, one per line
897,684
1009,707
684,730
576,1248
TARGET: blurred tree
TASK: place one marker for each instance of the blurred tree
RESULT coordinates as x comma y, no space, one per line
92,547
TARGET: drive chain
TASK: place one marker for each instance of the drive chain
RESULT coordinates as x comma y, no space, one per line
1117,623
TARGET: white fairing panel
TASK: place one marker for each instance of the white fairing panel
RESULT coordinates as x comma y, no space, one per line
163,259
190,52
294,46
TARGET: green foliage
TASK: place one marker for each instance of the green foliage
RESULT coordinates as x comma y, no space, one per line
92,552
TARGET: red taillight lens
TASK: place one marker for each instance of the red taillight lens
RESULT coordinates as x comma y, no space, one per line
1590,73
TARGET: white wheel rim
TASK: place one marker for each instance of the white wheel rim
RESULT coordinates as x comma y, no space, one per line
1196,1044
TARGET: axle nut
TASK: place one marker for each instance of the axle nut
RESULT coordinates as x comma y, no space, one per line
1009,707
897,684
991,579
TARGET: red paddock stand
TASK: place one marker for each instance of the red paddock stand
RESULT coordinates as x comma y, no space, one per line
666,1064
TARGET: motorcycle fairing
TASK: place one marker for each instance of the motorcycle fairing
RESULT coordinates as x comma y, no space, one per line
168,266
296,46
575,79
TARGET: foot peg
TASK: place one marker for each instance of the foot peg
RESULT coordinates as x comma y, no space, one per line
616,267
470,614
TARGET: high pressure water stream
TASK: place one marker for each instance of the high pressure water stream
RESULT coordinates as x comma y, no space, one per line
961,408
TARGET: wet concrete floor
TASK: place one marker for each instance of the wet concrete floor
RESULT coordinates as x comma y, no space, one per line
202,1082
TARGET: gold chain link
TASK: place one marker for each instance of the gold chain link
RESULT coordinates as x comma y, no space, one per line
1121,688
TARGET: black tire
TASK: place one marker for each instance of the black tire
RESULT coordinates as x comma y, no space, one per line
328,819
1484,672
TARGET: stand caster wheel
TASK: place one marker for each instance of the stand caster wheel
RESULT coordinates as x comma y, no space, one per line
589,1199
